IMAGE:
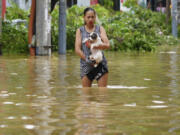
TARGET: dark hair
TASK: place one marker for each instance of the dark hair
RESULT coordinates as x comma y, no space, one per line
89,9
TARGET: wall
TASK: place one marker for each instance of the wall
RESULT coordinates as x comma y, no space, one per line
21,3
82,3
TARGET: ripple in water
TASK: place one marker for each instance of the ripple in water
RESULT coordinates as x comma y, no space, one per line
170,52
25,118
8,103
3,126
130,105
157,106
11,118
158,102
113,87
4,95
124,87
147,79
14,73
19,87
29,126
19,104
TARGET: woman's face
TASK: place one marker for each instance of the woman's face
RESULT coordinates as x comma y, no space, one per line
90,17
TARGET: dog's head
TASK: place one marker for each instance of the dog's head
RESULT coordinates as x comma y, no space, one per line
93,36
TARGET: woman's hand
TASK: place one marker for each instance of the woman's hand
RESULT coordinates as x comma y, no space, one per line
101,47
97,47
90,62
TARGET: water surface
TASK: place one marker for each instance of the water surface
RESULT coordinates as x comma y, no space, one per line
43,96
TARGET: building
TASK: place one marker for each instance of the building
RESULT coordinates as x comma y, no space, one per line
153,4
87,3
21,3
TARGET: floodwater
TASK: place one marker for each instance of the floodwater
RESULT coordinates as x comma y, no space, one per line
43,96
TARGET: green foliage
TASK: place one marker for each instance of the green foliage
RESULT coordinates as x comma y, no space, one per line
74,20
106,3
14,36
130,3
139,29
14,40
14,12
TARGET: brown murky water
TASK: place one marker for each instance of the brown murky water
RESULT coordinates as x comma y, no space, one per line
43,96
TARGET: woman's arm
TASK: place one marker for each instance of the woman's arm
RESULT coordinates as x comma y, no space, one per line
78,45
104,38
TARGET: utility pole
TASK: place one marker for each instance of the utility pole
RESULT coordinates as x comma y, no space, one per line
174,17
168,14
153,5
0,17
116,5
62,27
0,23
43,27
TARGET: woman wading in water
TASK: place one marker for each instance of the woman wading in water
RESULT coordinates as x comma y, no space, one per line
88,71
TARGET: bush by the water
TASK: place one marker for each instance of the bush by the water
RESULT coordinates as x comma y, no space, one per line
139,29
14,37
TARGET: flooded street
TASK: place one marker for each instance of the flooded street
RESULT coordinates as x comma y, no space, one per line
43,96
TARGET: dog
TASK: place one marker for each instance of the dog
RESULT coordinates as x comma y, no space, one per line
96,54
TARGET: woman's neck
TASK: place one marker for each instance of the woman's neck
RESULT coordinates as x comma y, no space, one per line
90,28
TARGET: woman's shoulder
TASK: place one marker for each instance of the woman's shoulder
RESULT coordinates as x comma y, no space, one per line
81,28
99,26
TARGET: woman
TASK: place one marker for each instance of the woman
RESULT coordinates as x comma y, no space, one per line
88,71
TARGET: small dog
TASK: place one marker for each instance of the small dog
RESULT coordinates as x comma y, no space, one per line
96,54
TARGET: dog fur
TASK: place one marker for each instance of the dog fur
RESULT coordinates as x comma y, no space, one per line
96,54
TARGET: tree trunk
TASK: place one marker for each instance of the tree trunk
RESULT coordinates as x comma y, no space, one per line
168,12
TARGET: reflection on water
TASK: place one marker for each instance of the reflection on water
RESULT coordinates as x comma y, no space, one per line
90,112
43,96
43,102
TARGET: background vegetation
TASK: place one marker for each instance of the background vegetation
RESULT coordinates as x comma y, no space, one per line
139,29
14,37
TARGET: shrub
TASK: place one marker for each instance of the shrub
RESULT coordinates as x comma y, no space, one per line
14,37
139,29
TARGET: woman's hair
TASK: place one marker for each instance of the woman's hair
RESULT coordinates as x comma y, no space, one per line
89,9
